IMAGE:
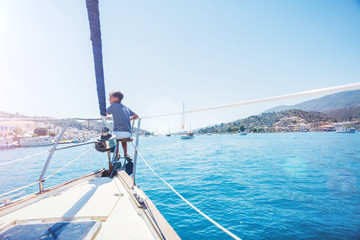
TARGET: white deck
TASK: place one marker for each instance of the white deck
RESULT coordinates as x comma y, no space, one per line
104,199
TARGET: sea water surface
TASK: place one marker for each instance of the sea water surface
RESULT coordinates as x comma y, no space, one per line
258,186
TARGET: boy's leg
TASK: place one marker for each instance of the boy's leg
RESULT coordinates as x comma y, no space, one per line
117,148
124,145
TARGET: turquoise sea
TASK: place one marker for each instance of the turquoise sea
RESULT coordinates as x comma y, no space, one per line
259,186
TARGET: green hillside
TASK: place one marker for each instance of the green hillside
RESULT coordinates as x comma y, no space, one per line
273,121
345,114
327,103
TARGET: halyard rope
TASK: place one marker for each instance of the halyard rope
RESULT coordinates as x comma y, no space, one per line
192,206
340,88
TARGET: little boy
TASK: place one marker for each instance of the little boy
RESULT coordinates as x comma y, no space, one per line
121,115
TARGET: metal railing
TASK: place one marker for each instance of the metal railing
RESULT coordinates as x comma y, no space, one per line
41,178
135,148
54,148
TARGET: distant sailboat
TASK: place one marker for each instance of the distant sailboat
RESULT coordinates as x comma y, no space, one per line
169,133
184,134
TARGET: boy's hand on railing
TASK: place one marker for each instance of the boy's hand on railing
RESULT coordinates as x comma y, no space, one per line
109,117
135,116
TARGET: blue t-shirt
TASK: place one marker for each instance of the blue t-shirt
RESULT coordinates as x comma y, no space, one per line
121,115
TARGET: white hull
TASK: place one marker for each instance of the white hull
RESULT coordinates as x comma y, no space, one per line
186,137
35,142
345,130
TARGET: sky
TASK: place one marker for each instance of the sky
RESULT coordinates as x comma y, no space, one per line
163,53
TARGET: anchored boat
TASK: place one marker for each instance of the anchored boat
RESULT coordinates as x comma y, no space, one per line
345,130
35,141
184,134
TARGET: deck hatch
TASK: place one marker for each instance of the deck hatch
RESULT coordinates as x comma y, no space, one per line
56,230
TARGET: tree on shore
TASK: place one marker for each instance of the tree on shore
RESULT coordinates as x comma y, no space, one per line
41,131
242,127
18,131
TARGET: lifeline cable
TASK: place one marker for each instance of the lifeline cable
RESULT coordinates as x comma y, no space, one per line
20,188
16,160
69,163
192,206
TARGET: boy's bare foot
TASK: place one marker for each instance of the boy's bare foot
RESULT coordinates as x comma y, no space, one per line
128,158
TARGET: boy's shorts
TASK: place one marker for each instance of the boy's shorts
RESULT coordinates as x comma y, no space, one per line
122,135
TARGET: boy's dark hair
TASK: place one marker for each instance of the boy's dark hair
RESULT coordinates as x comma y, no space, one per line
118,95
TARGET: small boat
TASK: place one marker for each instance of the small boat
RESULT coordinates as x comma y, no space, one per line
63,141
35,141
184,134
188,135
243,133
345,130
6,143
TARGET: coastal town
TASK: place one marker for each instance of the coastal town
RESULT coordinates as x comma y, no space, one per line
286,121
41,133
31,133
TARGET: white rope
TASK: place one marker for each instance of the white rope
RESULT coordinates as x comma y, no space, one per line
341,88
17,189
16,160
195,208
69,163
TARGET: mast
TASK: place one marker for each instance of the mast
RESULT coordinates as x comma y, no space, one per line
95,37
183,119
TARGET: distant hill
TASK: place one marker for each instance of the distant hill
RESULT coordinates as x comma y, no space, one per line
325,104
11,115
345,114
269,121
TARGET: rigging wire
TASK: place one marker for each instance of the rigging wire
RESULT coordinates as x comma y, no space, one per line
335,89
191,205
16,160
17,189
340,88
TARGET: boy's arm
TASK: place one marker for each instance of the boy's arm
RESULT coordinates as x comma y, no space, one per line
135,116
108,111
108,117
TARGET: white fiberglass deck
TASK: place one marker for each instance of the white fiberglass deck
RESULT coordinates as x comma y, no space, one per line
107,200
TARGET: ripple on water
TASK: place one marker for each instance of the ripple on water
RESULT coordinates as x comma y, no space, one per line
259,186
